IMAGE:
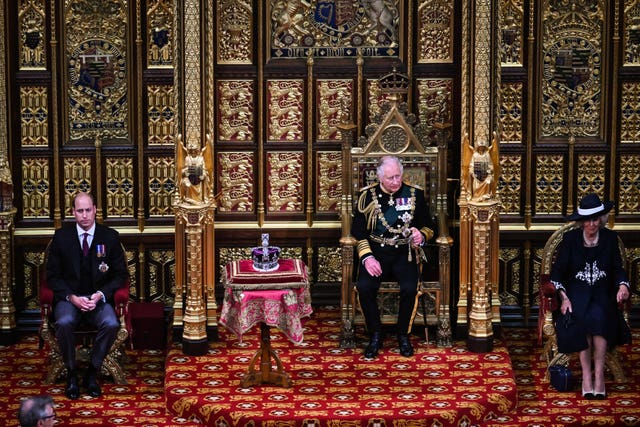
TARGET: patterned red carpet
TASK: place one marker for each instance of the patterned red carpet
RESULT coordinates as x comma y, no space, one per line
452,386
333,386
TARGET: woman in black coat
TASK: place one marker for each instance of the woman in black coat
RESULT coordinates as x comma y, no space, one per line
589,276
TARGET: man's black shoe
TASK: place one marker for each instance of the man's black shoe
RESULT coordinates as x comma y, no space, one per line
72,391
91,383
406,349
375,344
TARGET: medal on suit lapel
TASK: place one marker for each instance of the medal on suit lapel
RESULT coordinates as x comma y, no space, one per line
101,253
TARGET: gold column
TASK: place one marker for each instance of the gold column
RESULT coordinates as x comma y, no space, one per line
195,310
479,200
194,206
483,216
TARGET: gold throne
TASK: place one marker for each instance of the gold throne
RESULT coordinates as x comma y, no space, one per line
548,303
424,160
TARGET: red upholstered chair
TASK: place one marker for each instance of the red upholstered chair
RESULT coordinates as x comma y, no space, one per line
549,303
112,365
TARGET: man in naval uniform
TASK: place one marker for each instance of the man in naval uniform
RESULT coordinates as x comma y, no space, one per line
390,220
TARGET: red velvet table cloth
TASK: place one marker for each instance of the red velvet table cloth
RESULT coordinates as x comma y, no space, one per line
278,298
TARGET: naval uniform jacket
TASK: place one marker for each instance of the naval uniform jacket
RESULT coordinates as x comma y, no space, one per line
377,212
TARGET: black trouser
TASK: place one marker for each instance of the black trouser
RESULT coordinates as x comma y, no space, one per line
395,265
105,320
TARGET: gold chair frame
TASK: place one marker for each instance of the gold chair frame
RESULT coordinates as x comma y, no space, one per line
424,161
115,358
550,353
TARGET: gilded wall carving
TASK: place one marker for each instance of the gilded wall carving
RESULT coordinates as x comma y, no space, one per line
285,179
274,123
32,265
535,274
329,183
434,104
119,187
160,33
161,266
435,31
235,110
511,119
629,177
130,259
77,177
235,181
571,80
511,36
631,34
334,97
591,174
299,28
549,184
161,115
510,280
97,68
630,113
376,98
285,108
36,187
161,172
34,116
235,31
32,29
329,264
510,184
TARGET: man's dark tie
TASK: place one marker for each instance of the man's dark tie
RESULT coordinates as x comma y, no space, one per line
85,245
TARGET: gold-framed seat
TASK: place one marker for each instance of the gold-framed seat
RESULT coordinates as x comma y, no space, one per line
115,358
424,158
426,307
549,303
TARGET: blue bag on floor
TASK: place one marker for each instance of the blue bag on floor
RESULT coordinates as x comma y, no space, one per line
561,378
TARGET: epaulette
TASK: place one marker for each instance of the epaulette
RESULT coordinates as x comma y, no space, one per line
368,187
419,187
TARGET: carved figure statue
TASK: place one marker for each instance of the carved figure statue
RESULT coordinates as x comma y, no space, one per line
195,166
480,169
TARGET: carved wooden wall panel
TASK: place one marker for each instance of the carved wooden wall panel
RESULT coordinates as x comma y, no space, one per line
103,109
569,121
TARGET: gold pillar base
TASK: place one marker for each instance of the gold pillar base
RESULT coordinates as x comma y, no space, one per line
480,345
484,274
195,347
194,255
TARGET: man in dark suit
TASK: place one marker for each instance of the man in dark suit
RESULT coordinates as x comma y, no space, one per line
85,266
390,219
